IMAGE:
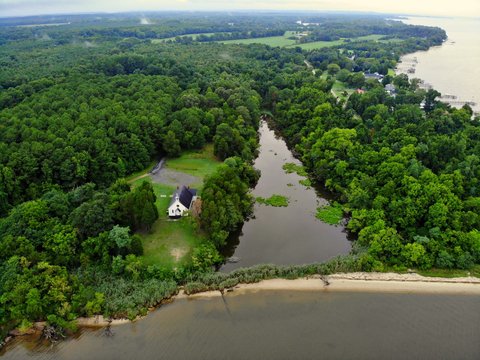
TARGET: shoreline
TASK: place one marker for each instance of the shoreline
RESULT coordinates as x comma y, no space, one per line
360,282
411,283
357,282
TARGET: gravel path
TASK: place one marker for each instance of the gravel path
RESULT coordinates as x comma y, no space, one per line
174,178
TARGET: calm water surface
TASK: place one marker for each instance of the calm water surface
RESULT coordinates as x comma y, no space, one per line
454,67
286,325
284,235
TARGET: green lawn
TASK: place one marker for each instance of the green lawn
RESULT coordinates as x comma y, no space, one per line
169,242
273,41
199,163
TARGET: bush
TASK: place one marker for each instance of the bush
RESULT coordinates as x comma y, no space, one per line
136,246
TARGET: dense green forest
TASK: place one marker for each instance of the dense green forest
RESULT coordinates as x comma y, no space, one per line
85,104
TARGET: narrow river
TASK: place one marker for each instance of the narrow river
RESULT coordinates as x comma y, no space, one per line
285,325
284,235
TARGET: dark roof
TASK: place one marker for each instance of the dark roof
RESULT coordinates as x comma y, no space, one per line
185,195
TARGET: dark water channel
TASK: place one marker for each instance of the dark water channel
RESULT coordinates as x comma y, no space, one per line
284,235
285,325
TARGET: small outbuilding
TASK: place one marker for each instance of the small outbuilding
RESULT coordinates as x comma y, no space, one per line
181,202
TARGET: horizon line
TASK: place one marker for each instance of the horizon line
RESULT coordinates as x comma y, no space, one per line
292,11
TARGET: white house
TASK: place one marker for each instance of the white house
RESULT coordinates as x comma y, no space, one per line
391,90
181,202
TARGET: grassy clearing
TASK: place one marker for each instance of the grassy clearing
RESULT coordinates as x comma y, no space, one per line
274,41
341,90
294,168
285,41
199,163
169,242
330,214
274,200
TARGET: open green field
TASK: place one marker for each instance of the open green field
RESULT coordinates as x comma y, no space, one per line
170,241
197,163
273,41
322,44
284,41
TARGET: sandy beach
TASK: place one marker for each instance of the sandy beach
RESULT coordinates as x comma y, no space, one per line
348,282
362,282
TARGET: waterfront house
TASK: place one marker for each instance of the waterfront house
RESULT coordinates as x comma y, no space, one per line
181,202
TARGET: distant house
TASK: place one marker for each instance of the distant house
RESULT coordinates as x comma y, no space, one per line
181,202
360,91
374,76
391,90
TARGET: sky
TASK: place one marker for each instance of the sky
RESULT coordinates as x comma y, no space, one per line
469,8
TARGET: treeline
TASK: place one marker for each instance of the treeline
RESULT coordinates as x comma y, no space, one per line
409,178
226,199
113,120
334,29
371,56
45,240
229,36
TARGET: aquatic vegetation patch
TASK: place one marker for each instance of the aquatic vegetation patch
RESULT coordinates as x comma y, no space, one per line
331,214
305,182
294,168
274,200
